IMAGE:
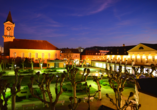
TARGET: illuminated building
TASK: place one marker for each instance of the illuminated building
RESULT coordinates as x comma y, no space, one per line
89,55
25,48
70,54
128,56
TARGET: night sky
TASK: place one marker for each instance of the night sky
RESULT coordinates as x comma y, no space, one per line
85,23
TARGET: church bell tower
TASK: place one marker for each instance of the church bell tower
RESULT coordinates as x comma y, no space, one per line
8,33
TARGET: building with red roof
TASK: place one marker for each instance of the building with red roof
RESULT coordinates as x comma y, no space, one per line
25,48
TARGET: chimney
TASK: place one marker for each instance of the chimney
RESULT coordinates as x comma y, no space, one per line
123,45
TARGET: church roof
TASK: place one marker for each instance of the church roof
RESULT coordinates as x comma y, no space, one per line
32,44
9,18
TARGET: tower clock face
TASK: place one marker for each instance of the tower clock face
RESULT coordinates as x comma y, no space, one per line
8,28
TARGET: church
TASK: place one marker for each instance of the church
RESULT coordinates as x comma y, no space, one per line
25,48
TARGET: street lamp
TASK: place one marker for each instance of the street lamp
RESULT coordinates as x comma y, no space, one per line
15,66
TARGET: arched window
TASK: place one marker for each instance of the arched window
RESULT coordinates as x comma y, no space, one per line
8,33
14,54
141,48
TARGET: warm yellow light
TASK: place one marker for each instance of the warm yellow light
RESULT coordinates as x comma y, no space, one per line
133,56
138,56
143,56
149,57
155,57
112,56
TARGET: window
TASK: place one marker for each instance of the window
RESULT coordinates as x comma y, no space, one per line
36,55
22,56
14,54
141,48
56,55
48,55
8,33
42,55
29,55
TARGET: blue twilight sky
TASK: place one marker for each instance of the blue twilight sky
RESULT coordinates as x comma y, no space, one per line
85,23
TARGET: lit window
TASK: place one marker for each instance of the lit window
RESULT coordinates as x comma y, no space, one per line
48,55
14,54
29,55
22,56
36,55
42,55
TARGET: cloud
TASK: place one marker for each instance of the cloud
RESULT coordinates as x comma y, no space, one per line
94,7
120,15
38,31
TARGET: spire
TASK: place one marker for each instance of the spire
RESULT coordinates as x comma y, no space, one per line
9,18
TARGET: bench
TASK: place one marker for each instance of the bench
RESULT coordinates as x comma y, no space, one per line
61,101
28,105
86,98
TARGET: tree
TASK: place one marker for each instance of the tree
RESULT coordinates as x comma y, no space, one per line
71,76
23,63
1,62
89,94
4,63
96,79
3,87
117,84
12,64
15,88
148,74
73,106
44,86
83,63
31,61
40,63
136,71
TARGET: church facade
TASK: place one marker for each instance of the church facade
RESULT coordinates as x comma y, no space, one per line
25,48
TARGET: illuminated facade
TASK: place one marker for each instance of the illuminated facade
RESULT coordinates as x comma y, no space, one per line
90,55
70,54
128,56
25,48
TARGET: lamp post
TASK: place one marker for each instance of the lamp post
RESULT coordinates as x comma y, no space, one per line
15,66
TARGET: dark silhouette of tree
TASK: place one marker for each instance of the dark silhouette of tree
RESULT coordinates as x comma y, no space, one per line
44,85
71,76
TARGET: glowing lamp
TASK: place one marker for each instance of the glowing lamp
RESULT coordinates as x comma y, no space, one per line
96,74
149,57
138,56
143,56
133,56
